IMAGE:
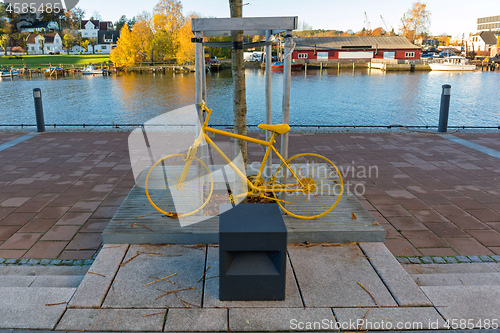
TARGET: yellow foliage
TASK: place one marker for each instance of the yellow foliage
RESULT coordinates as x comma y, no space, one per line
165,36
126,51
415,23
185,49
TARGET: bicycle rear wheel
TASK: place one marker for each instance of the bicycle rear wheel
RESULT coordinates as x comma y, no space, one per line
167,195
317,190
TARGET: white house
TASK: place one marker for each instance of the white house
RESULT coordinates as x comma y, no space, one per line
106,41
91,28
482,42
51,42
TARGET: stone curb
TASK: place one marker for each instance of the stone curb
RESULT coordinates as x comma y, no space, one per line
448,260
45,262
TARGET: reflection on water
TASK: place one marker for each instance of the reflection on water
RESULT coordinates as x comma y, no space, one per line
327,97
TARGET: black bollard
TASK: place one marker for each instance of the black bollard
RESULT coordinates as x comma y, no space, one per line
40,121
445,108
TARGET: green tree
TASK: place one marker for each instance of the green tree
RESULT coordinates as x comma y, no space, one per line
42,43
4,42
120,23
93,42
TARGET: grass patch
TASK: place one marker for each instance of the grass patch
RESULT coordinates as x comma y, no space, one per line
43,61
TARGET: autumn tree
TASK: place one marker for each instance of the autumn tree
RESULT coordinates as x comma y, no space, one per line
144,37
416,22
126,51
185,49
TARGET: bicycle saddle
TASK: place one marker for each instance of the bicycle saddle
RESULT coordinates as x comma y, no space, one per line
279,128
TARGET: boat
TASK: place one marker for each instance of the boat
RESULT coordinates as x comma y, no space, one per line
92,70
454,63
10,72
54,71
280,65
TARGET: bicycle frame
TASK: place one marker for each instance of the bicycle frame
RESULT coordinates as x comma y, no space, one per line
270,147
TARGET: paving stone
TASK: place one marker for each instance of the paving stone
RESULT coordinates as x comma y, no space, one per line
465,302
34,261
445,269
78,262
45,261
376,319
2,260
211,296
196,320
426,260
130,289
43,270
55,262
46,249
439,260
88,262
67,281
280,319
124,320
486,258
16,281
451,260
496,258
399,283
414,260
11,261
93,289
23,261
463,259
331,276
25,308
457,279
475,259
403,260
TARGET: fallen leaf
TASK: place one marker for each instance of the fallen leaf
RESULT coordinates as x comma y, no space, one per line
375,223
354,216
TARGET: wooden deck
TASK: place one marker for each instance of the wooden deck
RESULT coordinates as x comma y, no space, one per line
137,222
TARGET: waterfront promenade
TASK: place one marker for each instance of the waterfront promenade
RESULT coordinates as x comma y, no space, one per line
433,196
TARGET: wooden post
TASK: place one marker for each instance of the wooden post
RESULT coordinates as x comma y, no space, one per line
287,75
269,49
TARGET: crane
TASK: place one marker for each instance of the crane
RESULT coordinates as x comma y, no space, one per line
367,23
387,24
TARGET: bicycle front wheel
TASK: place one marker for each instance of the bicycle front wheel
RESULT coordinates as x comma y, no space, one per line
171,197
312,190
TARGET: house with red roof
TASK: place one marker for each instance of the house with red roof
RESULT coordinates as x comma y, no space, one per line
47,43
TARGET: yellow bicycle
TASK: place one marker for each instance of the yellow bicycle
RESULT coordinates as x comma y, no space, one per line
305,186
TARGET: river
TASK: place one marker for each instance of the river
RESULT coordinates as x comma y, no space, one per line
318,97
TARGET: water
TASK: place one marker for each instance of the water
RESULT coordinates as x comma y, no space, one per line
318,98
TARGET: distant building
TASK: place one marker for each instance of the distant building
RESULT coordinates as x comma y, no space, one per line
40,26
491,23
106,41
326,49
482,42
52,43
91,28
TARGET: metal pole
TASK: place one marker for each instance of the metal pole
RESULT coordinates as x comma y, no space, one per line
287,77
40,121
198,61
269,49
445,108
204,86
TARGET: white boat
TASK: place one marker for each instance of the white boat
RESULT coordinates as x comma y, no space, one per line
10,72
454,63
92,70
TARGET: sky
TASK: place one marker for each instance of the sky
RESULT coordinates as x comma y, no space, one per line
454,18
